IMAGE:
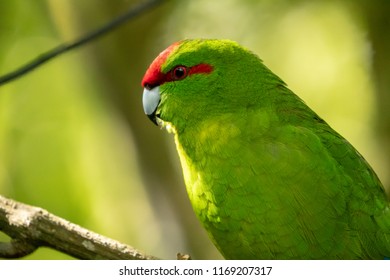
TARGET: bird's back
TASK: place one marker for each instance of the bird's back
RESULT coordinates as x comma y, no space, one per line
271,185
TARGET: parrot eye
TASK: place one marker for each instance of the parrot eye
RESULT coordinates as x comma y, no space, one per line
179,73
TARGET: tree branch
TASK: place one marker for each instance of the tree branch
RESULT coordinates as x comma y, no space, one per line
45,57
31,227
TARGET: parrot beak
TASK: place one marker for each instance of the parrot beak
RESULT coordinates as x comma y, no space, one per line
150,101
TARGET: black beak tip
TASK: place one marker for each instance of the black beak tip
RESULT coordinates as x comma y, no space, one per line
153,117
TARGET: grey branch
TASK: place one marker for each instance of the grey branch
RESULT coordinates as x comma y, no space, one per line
31,227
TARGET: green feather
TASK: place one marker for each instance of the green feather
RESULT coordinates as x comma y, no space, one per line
266,176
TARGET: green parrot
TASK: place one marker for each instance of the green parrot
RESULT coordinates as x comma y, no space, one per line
266,176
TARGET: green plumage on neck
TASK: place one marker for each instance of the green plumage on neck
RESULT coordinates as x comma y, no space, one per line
266,176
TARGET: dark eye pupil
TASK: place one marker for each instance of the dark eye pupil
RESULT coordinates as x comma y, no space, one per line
179,72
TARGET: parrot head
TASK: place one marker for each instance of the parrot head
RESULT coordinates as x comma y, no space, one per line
192,79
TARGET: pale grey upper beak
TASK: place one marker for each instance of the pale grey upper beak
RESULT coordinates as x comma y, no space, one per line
150,101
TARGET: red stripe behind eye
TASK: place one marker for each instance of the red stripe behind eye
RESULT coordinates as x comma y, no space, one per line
154,77
200,68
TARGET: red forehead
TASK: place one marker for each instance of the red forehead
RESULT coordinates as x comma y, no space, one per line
153,75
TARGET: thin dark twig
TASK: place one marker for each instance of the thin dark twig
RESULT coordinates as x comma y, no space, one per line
45,57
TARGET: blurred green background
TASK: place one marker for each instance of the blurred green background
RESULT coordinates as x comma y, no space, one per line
74,139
